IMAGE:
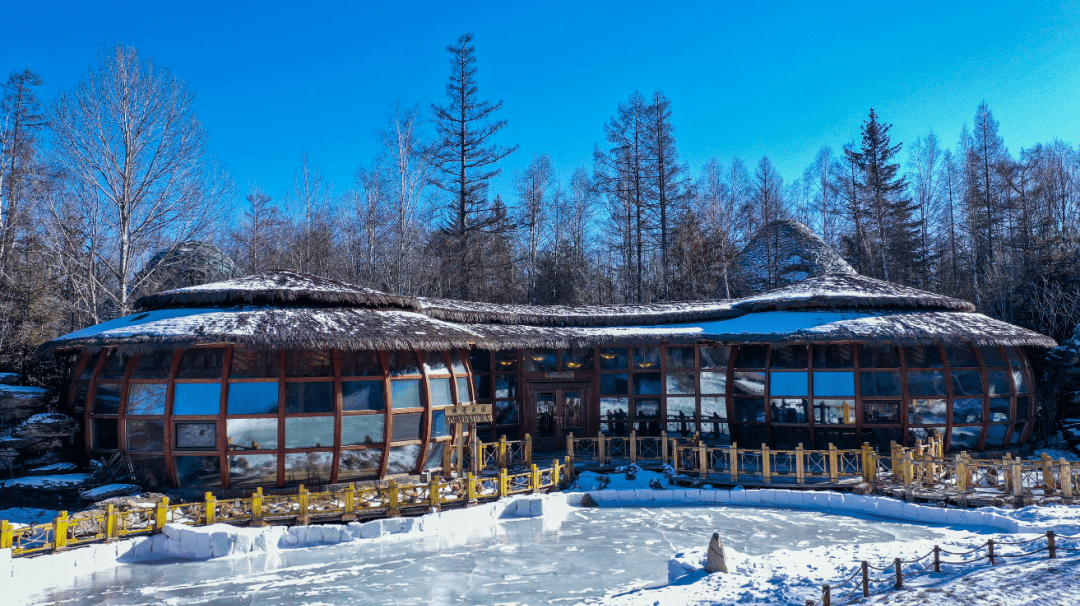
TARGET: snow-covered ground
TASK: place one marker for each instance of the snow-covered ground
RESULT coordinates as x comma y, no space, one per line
642,546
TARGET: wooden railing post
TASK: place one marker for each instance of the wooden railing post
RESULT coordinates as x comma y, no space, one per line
504,483
1017,477
600,450
1065,478
766,469
834,464
961,474
393,498
534,482
894,456
865,579
161,514
570,445
800,468
112,523
470,489
555,471
826,595
633,446
734,454
435,493
675,456
477,455
1048,472
460,446
7,534
663,446
447,460
502,452
528,451
350,502
937,558
302,517
899,574
1051,544
908,469
210,506
990,550
703,461
60,527
864,462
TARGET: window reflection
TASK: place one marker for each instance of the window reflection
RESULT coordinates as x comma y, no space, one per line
197,399
309,397
251,434
253,364
748,383
107,399
154,365
714,356
788,410
357,464
440,392
405,393
967,410
308,467
309,432
203,472
146,435
252,470
253,398
403,459
788,383
926,411
834,384
680,358
834,412
881,412
790,356
361,429
362,395
749,410
146,399
539,360
964,438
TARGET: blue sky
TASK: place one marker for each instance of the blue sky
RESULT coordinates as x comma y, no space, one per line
274,79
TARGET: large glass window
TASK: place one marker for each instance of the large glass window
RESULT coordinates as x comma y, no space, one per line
201,363
966,382
154,365
195,436
362,395
405,393
308,363
788,410
361,429
834,356
613,383
358,464
790,357
647,358
680,358
924,356
309,432
253,364
440,392
926,383
146,399
360,364
146,435
197,399
788,383
714,356
834,384
748,383
251,434
750,410
309,397
539,360
880,384
206,471
834,412
681,383
926,411
253,398
613,358
879,356
646,383
107,399
967,410
407,426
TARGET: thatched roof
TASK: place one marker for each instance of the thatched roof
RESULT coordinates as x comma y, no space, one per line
285,310
783,252
278,288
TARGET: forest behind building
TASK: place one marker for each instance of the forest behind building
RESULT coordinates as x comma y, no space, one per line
108,192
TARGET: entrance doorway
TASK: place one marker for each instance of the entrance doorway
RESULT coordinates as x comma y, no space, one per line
556,411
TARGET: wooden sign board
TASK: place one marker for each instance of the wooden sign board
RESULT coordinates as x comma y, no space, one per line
469,413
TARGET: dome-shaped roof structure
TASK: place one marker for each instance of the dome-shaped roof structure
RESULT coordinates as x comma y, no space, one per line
277,288
794,252
185,264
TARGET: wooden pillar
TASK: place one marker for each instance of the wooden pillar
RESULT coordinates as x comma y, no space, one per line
1065,478
899,574
502,452
703,461
161,515
800,469
601,455
766,469
210,507
734,454
633,446
534,483
1017,477
112,523
663,446
393,496
477,454
570,445
528,451
350,502
470,489
1048,472
504,483
834,464
865,579
435,493
7,534
1051,544
302,517
60,527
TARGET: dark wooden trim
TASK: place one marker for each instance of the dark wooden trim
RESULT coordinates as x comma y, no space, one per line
281,418
388,421
170,393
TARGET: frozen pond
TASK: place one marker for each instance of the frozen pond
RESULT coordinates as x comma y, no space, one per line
594,553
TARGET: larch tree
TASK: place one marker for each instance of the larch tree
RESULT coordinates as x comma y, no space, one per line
21,120
768,199
670,187
137,175
465,158
535,187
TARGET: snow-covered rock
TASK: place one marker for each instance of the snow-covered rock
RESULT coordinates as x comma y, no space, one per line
109,491
46,425
18,402
67,481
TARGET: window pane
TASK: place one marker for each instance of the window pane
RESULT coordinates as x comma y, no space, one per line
681,382
115,367
483,386
965,438
146,399
747,383
680,358
834,356
107,399
435,363
614,409
790,356
881,436
506,412
439,427
440,392
999,409
361,429
308,467
82,392
613,358
506,386
714,356
91,364
613,383
1016,357
251,434
252,470
307,363
961,356
358,464
463,390
309,432
309,397
402,459
835,412
998,380
752,435
789,438
149,470
578,359
995,436
196,436
360,364
713,408
715,382
105,434
1017,433
197,399
967,410
879,356
1020,380
253,364
253,398
202,472
750,356
402,363
881,412
834,384
788,383
788,410
841,438
506,360
646,383
878,384
434,456
966,382
924,434
749,410
405,393
924,356
647,358
540,360
146,435
926,383
992,356
681,407
201,363
456,362
480,359
154,365
927,411
362,395
1023,407
407,426
647,409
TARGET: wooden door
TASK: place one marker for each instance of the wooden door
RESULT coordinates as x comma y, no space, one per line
556,411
